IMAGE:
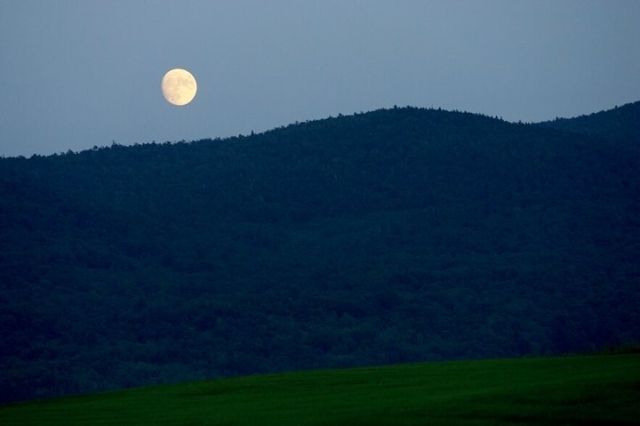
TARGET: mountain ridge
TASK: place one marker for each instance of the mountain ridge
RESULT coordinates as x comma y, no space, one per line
402,234
619,124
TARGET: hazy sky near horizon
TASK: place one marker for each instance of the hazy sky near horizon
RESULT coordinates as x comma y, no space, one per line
81,73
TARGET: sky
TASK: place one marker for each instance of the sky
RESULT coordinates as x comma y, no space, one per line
82,73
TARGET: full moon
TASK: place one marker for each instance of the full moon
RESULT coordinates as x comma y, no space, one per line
179,87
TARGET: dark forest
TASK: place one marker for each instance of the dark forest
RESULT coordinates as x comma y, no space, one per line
392,236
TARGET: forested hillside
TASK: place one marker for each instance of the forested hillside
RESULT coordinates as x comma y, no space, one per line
397,235
619,125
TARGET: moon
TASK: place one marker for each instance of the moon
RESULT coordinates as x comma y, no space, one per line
179,87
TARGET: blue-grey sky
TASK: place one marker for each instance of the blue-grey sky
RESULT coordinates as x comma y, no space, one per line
81,73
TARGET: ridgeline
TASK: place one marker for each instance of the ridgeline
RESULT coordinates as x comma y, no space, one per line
392,236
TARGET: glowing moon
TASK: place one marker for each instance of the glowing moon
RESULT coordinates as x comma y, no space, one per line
179,87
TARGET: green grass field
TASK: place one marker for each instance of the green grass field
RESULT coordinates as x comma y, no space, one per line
572,390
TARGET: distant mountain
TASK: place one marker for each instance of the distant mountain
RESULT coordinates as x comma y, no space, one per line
397,235
620,125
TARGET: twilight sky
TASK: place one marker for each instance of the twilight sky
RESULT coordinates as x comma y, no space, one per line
81,73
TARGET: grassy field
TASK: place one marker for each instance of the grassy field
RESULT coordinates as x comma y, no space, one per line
573,390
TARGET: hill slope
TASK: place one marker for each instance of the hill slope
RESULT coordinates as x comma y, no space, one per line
568,390
619,125
391,236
